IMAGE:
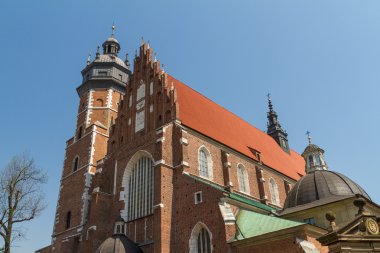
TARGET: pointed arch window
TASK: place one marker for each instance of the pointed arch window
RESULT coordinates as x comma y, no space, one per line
140,189
204,245
243,179
273,189
201,239
205,163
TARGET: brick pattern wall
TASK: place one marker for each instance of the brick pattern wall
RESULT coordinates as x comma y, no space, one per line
174,150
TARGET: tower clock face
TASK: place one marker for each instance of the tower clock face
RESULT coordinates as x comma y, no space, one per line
372,226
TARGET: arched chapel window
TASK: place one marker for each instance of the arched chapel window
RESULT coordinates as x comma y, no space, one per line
76,163
140,185
275,199
204,244
242,178
200,239
205,163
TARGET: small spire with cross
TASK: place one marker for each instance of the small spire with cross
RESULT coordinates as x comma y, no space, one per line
113,30
308,136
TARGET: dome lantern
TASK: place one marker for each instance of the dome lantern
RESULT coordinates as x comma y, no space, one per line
111,46
314,157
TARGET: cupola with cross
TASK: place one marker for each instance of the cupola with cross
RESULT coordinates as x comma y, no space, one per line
313,156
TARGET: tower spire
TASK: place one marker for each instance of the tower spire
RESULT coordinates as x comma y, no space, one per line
274,127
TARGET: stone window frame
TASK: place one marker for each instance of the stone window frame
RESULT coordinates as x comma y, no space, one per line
193,241
124,194
196,194
274,192
209,163
241,167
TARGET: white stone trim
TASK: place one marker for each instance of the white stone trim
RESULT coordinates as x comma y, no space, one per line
109,98
90,100
92,147
160,205
183,141
227,164
160,139
184,163
158,162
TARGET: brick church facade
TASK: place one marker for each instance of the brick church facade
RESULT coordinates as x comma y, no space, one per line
156,162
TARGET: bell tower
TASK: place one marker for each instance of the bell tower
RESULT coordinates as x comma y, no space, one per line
104,81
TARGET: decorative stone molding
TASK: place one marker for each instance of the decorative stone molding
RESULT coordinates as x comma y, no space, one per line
183,141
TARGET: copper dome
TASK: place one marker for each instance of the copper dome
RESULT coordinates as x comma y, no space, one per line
118,244
321,184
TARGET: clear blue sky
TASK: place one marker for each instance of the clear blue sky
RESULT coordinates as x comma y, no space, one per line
320,60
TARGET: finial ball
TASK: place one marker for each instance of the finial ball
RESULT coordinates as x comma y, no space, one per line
330,216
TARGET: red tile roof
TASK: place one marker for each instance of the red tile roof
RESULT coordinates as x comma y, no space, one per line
205,116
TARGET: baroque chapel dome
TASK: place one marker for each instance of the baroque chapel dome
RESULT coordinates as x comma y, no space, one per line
322,185
118,244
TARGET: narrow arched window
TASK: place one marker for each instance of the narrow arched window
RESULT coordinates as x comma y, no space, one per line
311,160
75,163
80,130
275,199
317,159
242,178
203,163
99,102
204,244
68,219
140,184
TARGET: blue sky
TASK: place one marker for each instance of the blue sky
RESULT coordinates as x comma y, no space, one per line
320,60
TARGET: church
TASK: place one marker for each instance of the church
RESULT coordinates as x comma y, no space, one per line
156,167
